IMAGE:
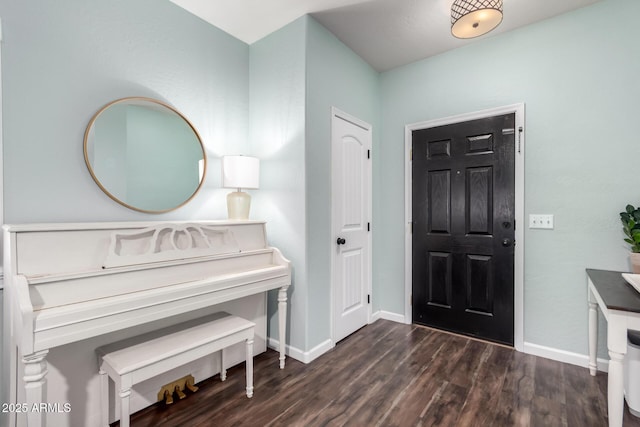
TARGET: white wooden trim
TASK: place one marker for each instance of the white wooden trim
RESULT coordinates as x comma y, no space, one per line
74,226
519,110
300,355
387,315
6,344
577,359
1,172
335,112
351,119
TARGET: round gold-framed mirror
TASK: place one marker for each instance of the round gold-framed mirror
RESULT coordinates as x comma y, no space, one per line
144,154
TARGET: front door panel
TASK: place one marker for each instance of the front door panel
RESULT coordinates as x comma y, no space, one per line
463,227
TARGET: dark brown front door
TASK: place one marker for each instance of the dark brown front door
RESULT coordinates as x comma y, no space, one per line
463,227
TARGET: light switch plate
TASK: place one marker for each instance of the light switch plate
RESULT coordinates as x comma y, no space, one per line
544,221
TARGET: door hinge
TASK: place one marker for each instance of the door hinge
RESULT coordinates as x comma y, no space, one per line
368,226
411,226
411,154
368,298
514,225
368,154
411,300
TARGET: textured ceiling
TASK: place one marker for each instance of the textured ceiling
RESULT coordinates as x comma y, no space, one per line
385,33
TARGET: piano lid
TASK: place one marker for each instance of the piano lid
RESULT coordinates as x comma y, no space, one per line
53,249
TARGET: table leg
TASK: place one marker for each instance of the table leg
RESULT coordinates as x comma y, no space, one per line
617,346
593,337
282,322
616,389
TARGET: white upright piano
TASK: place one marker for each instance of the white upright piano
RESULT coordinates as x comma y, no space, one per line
69,282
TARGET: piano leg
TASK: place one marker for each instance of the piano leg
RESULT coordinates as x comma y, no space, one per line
249,367
35,384
282,322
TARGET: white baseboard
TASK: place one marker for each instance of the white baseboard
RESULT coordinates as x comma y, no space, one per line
529,348
564,356
303,356
387,315
323,347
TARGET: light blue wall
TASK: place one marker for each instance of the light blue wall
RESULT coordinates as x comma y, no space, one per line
62,61
297,74
57,77
336,77
578,76
277,82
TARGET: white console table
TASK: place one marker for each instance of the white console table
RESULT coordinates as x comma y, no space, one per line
620,305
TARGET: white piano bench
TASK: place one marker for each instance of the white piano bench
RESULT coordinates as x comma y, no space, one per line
137,359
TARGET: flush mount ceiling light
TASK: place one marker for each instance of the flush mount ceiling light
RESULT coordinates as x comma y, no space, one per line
473,18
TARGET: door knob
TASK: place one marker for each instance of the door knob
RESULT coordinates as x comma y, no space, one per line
341,241
506,242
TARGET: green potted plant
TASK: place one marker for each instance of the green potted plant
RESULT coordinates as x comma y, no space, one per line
631,227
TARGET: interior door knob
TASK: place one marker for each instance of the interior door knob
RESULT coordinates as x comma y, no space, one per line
506,242
341,241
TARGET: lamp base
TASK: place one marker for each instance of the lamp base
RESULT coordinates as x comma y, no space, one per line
238,205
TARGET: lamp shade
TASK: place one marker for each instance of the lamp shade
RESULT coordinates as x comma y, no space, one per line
240,172
473,18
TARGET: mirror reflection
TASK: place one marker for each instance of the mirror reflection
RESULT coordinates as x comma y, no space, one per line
144,154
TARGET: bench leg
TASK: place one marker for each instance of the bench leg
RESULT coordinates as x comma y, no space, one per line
104,398
223,371
124,407
249,367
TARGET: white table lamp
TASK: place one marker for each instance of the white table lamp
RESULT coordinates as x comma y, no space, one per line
240,172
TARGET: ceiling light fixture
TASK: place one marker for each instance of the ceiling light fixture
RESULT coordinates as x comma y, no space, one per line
473,18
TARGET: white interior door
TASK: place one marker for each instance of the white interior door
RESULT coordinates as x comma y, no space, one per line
351,206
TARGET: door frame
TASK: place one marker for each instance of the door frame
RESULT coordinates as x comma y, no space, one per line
518,294
336,113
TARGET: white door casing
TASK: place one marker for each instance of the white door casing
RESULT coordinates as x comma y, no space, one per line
351,141
519,110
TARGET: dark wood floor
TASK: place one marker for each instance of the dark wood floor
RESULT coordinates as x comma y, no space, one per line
389,374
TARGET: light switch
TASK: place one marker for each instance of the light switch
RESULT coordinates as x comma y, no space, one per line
541,221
